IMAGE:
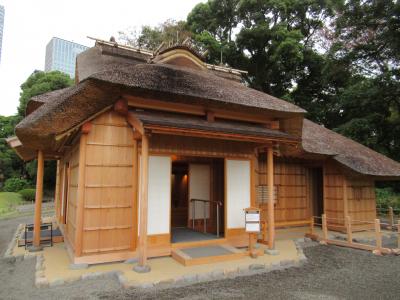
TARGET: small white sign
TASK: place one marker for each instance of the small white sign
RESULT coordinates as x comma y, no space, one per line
252,227
252,217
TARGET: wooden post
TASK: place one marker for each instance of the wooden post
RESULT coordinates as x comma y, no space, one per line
324,227
398,234
135,192
312,225
81,190
378,235
271,208
391,218
142,266
349,230
38,202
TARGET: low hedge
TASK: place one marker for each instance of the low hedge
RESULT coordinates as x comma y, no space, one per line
15,184
28,194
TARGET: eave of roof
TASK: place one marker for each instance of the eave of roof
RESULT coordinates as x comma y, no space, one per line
186,124
320,140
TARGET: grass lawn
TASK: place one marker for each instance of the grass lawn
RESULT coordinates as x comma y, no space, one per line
9,202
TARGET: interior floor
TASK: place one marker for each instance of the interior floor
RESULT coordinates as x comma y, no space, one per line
183,234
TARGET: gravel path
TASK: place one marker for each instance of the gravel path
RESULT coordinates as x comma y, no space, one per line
330,273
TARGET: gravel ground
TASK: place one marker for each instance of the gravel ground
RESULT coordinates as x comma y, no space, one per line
330,273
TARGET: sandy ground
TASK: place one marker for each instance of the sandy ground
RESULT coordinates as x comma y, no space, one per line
330,273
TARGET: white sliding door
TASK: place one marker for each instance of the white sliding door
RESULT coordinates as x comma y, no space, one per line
238,191
159,195
199,188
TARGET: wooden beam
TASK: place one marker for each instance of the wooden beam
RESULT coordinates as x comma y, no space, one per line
81,194
142,266
141,102
218,135
271,208
121,107
135,123
38,201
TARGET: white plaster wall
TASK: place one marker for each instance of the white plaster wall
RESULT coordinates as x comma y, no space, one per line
238,191
199,188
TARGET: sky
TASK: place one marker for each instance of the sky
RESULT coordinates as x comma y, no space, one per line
29,26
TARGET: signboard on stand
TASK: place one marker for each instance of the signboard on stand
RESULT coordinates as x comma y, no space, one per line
252,220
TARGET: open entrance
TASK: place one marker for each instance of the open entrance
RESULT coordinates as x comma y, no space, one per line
197,199
316,191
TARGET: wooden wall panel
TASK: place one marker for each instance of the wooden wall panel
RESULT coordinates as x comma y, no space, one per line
193,146
333,195
108,216
361,202
73,159
293,203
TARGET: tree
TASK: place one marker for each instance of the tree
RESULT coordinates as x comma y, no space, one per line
39,83
10,164
368,40
169,32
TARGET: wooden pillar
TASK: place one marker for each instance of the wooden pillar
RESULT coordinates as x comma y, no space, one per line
271,208
378,235
345,198
349,230
38,201
398,234
142,266
135,191
81,189
324,227
391,218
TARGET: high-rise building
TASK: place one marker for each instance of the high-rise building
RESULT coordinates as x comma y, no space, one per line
1,26
61,56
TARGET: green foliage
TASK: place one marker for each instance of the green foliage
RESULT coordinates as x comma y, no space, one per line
28,194
39,83
15,184
150,38
10,164
386,197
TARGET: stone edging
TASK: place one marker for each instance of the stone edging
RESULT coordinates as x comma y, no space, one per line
188,279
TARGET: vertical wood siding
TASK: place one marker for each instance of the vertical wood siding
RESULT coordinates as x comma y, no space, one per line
107,220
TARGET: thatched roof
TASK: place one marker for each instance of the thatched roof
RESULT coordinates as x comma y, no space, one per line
320,140
36,101
200,85
61,112
64,109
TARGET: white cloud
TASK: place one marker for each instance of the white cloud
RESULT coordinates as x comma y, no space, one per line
29,26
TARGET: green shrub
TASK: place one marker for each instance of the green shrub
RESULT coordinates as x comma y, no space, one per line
386,197
15,184
28,194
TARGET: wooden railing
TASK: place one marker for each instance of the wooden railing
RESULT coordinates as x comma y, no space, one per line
376,248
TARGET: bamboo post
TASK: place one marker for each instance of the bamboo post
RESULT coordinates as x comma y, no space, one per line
378,235
38,203
391,218
142,266
271,208
349,230
324,227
